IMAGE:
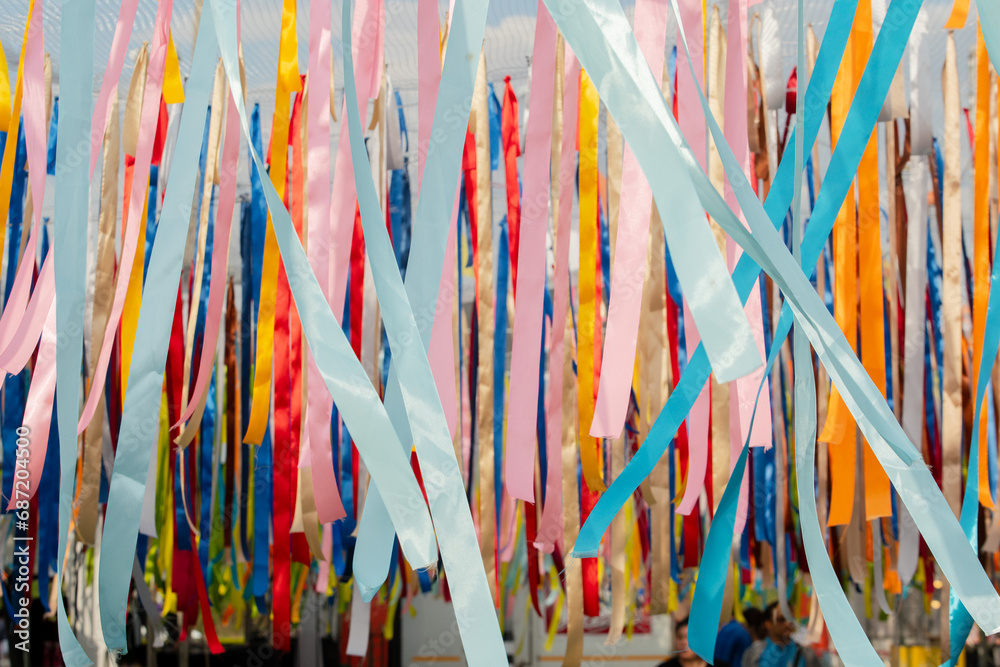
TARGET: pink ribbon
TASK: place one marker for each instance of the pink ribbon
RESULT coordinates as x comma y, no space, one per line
735,129
316,452
429,78
113,72
522,410
692,124
38,408
550,530
34,138
220,260
140,178
15,357
632,242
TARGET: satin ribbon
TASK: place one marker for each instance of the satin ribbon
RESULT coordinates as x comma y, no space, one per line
528,321
423,275
287,83
13,113
329,506
104,108
511,151
631,240
591,457
131,462
195,407
952,265
76,43
959,13
676,409
570,462
939,528
104,261
551,529
150,110
346,381
878,494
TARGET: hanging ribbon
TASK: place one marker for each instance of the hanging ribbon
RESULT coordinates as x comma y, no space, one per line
939,528
591,456
76,43
287,83
530,233
951,242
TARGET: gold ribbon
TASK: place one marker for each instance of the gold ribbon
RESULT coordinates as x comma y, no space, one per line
587,282
104,273
4,92
287,83
173,85
720,392
959,12
484,393
951,306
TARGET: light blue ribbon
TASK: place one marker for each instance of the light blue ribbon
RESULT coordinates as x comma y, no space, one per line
426,260
141,410
474,611
76,41
848,635
632,95
347,381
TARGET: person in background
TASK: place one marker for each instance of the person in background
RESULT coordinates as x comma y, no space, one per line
780,650
733,640
755,624
683,655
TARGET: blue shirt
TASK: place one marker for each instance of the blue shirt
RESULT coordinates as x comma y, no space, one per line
733,639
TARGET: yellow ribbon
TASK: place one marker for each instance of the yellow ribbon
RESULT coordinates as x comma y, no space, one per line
4,92
173,85
287,83
587,281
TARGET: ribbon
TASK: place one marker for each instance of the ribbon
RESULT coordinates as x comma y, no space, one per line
423,275
76,43
287,82
628,274
13,112
878,494
104,112
431,435
150,110
909,476
511,151
952,266
550,530
329,506
346,381
530,234
86,521
591,457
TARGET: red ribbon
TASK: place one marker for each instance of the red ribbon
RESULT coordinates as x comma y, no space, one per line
511,151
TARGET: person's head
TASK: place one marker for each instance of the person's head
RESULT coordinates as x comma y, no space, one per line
681,640
755,622
778,629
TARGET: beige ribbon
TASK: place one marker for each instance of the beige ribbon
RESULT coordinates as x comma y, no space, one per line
104,267
615,164
571,507
618,581
951,308
484,395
